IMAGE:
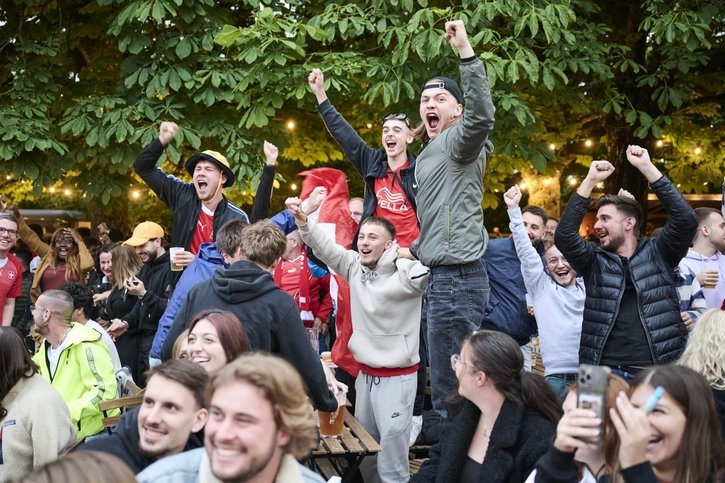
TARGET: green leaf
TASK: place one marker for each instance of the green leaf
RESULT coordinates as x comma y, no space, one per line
183,48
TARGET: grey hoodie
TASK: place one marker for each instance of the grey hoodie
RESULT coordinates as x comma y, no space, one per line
385,301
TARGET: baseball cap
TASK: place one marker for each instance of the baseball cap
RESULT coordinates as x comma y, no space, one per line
285,221
144,231
444,83
216,158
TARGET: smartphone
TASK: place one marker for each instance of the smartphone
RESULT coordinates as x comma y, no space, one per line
592,386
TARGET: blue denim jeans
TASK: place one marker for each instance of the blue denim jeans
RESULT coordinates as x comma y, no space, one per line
560,383
455,300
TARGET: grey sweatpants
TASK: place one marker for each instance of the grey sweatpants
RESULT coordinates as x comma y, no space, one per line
384,406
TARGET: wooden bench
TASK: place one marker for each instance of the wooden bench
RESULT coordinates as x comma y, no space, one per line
342,456
123,404
415,465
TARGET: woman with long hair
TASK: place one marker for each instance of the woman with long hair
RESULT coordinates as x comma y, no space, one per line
705,353
125,263
65,259
216,337
679,440
570,458
505,418
34,420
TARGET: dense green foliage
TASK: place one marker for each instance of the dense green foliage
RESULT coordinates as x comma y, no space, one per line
84,85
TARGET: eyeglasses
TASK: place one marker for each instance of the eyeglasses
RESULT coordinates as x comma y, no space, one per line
456,360
555,261
10,232
400,116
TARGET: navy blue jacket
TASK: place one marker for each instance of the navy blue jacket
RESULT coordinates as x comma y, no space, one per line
506,310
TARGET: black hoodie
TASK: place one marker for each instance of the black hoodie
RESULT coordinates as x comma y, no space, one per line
270,318
124,443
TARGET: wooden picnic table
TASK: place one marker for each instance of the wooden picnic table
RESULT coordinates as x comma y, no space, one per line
342,456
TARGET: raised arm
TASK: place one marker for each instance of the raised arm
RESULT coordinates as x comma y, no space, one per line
531,267
164,185
354,147
333,255
470,137
577,251
260,208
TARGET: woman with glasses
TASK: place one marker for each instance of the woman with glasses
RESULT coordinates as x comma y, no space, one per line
502,421
65,259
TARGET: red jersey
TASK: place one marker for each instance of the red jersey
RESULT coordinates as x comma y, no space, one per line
11,280
395,206
204,231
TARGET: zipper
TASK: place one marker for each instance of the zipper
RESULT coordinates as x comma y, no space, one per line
614,316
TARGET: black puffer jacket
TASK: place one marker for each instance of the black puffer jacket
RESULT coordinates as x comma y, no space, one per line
651,268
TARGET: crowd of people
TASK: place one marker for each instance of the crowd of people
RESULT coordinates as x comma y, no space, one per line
223,321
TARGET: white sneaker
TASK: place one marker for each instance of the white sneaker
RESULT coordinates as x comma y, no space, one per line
415,428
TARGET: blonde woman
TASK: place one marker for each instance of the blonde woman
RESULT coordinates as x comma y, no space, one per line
125,264
705,353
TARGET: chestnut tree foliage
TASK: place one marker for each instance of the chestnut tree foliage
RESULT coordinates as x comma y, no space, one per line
84,85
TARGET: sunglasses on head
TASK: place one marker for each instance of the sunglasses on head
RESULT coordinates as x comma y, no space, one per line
400,116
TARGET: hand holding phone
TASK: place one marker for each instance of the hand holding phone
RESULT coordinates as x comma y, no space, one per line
592,386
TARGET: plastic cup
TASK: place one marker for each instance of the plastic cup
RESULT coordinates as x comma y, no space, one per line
331,424
172,255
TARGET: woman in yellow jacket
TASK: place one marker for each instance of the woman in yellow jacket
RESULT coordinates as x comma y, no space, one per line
66,259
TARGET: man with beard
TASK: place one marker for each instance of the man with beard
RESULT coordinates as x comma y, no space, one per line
507,310
260,440
153,288
74,360
557,296
168,422
631,314
199,208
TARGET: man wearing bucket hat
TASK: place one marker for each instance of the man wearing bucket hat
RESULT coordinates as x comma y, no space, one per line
200,208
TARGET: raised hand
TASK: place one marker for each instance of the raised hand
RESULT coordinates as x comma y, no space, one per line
458,38
271,153
512,197
313,202
637,156
316,80
167,132
633,428
600,170
293,206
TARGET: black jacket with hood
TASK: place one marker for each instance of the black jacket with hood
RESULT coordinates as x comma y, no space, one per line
270,318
